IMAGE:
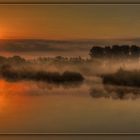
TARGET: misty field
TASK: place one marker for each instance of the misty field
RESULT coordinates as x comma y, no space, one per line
101,77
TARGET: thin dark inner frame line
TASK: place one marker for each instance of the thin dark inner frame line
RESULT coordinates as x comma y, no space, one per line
76,3
69,3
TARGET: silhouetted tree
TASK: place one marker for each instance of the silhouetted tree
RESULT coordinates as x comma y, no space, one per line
2,59
97,52
16,59
115,51
125,49
135,51
107,52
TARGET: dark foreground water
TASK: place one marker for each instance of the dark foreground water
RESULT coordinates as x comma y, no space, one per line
29,107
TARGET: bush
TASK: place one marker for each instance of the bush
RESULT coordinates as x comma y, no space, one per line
123,78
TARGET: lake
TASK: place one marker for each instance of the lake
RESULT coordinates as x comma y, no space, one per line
37,107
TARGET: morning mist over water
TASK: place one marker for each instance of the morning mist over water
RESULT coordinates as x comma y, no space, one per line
69,68
50,48
73,91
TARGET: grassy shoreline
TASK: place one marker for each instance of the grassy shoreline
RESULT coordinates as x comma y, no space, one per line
123,78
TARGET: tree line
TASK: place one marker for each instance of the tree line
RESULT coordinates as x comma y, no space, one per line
115,51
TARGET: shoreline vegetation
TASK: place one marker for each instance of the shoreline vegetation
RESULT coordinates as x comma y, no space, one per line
122,78
103,62
10,74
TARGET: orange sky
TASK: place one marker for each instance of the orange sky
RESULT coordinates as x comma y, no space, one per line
69,21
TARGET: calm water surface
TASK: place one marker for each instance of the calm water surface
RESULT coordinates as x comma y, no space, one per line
39,107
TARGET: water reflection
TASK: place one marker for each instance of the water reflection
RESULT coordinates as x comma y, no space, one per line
94,90
115,92
33,88
35,107
3,103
